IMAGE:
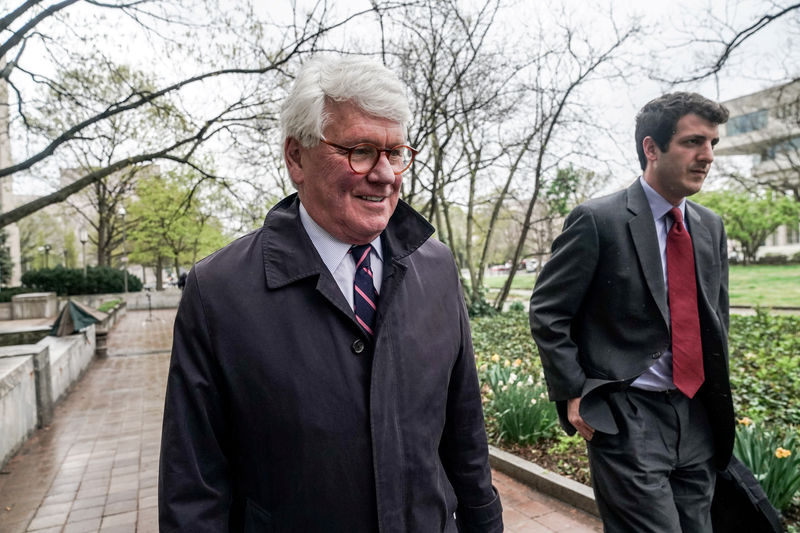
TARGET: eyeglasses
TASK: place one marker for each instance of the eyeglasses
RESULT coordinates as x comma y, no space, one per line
363,157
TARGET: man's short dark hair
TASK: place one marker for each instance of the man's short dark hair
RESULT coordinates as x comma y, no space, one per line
659,118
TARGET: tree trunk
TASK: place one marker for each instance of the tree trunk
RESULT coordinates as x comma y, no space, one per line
159,274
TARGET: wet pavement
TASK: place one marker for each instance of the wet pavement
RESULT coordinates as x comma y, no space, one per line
96,467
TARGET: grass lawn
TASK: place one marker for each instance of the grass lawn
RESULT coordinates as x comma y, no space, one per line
764,285
522,280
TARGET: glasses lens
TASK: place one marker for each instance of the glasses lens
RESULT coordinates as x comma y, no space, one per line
363,157
400,157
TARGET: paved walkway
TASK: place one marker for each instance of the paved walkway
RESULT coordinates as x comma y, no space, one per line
95,468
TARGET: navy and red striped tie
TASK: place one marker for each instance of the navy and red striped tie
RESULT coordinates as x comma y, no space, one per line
365,297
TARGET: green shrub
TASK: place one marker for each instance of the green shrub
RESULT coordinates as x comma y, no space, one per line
773,259
518,407
774,460
795,259
480,307
7,293
765,367
68,281
516,307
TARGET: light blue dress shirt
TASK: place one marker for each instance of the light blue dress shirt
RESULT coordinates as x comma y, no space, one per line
334,252
659,376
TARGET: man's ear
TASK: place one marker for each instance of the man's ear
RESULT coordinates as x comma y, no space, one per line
651,149
292,154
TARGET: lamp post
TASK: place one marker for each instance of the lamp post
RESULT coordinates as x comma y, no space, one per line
124,251
46,249
83,236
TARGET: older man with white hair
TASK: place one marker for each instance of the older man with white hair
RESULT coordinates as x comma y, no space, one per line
322,374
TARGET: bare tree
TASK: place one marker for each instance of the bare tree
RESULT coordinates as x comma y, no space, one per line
722,39
221,72
577,61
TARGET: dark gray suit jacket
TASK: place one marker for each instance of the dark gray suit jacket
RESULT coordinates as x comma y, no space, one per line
599,309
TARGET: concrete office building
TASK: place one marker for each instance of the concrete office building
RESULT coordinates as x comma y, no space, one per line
766,126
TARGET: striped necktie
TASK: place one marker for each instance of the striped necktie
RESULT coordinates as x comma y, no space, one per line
365,297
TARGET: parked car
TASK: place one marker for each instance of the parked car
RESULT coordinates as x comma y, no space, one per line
500,269
531,264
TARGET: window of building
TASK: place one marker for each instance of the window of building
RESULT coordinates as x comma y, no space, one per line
793,234
747,122
789,145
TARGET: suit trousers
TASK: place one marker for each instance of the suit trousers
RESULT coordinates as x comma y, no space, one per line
657,474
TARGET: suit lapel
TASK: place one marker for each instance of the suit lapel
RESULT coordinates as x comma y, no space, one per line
703,254
645,241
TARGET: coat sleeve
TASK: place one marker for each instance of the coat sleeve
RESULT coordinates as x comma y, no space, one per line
194,487
557,297
464,450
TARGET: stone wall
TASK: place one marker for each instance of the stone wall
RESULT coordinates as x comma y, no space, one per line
69,359
34,305
33,377
17,404
136,301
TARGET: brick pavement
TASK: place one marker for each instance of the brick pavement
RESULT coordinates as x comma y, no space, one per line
95,468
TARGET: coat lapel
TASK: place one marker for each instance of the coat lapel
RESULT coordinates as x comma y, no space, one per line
645,241
289,255
703,255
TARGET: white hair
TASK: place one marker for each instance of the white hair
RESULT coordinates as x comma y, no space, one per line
370,85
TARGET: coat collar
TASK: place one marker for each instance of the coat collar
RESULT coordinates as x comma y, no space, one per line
289,254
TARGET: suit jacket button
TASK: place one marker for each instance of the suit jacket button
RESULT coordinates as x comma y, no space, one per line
358,346
655,355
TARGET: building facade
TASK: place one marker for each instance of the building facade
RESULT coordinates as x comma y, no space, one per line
766,126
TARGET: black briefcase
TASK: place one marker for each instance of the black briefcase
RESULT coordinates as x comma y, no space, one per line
740,504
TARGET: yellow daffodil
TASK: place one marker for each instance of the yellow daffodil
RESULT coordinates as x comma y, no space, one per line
495,358
516,363
507,363
782,453
745,421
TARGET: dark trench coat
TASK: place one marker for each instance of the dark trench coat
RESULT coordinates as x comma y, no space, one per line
281,415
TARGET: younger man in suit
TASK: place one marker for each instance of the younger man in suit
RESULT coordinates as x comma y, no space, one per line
631,318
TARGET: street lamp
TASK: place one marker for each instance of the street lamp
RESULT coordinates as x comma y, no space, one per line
83,236
46,249
124,251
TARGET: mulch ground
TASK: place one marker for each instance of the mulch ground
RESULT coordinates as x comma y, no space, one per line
574,465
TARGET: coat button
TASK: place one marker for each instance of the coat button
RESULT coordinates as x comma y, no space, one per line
358,346
655,355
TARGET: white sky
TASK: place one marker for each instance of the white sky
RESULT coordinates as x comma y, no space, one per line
772,56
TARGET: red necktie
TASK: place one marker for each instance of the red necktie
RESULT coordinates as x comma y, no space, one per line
364,294
687,349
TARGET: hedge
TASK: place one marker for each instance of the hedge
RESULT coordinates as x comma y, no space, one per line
68,281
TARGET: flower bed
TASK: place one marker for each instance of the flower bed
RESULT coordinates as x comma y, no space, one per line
765,377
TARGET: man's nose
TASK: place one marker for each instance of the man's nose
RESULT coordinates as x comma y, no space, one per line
707,152
382,171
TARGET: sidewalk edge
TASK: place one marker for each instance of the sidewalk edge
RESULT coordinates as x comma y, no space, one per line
567,490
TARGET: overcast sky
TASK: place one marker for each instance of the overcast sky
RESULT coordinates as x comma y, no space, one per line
678,36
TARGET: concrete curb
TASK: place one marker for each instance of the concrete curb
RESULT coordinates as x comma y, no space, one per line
576,494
